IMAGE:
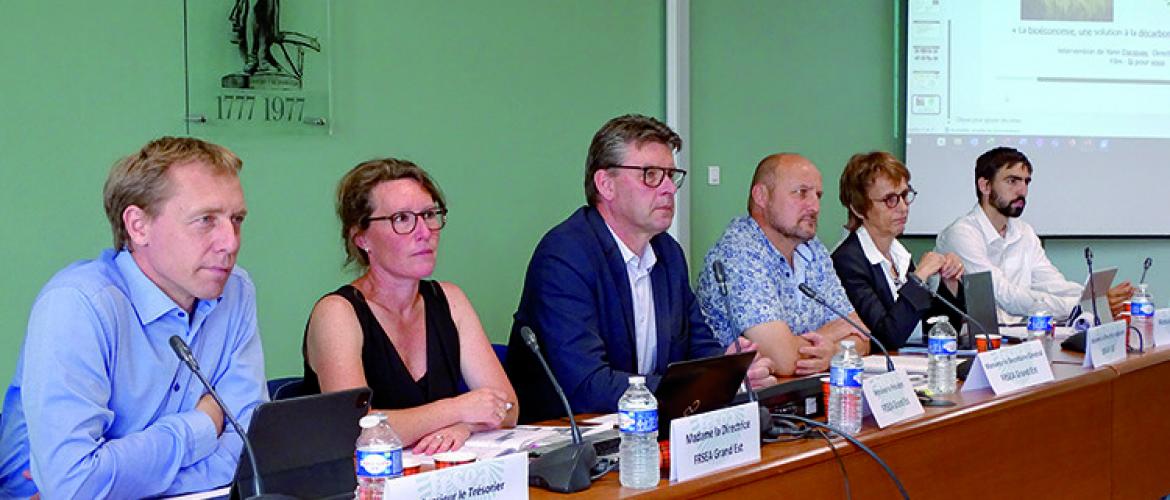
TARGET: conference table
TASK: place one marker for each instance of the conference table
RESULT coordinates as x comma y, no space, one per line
1090,433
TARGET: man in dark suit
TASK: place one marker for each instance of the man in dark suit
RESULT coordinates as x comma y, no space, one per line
607,291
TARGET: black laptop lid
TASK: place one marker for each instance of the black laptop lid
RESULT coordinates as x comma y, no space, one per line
980,295
304,446
699,385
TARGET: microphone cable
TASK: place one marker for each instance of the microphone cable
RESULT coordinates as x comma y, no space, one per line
840,462
1141,340
889,472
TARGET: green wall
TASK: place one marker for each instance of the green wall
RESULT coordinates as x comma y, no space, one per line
814,78
497,99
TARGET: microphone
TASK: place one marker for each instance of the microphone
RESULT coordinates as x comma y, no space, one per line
766,424
566,469
812,294
1078,341
1145,268
911,277
184,353
721,276
1092,286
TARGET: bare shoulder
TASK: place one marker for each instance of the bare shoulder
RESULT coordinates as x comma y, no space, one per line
455,296
332,314
461,310
331,306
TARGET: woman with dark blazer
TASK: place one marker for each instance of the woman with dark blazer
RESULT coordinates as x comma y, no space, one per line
874,266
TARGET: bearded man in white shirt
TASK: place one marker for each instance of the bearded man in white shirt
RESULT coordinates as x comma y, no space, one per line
991,237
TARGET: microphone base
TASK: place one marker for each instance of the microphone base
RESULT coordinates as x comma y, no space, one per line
1075,342
768,428
564,470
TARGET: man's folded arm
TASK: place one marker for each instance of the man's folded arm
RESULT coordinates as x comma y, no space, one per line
66,390
242,388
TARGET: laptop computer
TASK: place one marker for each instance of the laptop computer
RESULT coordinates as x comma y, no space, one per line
304,446
1102,280
979,292
699,385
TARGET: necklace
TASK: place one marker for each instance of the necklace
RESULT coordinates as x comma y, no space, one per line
899,280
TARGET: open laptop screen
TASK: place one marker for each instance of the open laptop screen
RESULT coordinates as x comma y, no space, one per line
304,446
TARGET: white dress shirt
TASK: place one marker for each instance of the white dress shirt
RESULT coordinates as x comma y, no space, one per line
645,327
1020,270
895,276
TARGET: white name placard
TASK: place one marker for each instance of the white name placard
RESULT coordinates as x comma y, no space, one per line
1010,368
890,397
1161,328
1105,344
497,478
705,443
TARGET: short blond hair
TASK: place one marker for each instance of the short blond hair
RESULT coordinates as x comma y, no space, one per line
141,178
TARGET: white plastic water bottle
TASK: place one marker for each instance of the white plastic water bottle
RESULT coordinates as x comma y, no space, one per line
1141,313
845,388
379,456
940,368
1040,322
638,416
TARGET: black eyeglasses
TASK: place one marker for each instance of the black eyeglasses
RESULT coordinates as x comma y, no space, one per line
891,200
652,176
405,221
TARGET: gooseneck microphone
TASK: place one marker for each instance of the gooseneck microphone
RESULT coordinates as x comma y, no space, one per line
766,424
1145,268
812,294
566,469
721,280
1078,341
1092,286
911,277
184,353
721,276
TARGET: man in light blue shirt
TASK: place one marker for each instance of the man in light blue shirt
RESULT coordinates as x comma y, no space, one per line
100,406
767,255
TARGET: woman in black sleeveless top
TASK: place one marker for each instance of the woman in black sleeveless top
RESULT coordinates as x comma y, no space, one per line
411,341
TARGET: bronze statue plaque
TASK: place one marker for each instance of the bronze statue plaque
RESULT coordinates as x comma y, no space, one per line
258,66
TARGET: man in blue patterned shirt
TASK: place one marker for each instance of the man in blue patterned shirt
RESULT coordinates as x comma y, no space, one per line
766,256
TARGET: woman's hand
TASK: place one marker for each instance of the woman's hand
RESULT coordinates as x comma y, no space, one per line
929,264
951,272
484,406
449,438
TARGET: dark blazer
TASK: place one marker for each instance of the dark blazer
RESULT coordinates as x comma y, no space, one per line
891,322
577,300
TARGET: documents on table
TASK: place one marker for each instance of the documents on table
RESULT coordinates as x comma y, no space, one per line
607,421
912,364
520,438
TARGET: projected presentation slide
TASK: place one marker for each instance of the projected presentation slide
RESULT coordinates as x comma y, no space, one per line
1080,86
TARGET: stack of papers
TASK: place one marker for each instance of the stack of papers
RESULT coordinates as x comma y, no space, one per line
520,438
912,364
